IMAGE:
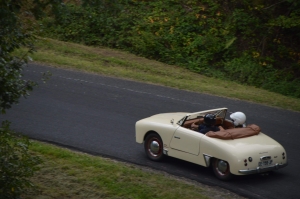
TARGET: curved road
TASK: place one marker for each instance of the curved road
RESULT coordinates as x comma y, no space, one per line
97,114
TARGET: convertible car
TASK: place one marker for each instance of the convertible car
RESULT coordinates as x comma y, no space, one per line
231,151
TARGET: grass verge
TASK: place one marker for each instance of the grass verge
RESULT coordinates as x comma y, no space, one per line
125,65
69,174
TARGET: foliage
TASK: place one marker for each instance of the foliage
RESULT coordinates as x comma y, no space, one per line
16,26
205,36
16,163
12,37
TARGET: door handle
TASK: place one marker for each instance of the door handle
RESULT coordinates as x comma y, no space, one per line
176,137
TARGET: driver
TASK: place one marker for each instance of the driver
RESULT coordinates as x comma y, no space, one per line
208,125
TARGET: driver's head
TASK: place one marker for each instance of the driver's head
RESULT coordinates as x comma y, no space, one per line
209,119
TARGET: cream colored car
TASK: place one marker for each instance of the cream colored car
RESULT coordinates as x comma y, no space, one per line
170,134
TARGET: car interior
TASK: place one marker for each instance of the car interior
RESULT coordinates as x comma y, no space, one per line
226,124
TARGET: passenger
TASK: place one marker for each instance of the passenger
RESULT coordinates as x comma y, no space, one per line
238,119
208,125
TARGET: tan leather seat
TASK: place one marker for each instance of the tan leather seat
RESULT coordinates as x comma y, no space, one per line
228,124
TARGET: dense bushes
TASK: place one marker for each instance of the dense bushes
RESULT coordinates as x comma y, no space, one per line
17,165
253,42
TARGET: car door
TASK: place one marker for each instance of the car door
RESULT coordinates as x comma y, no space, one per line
186,140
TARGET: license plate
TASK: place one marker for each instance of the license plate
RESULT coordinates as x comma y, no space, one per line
265,163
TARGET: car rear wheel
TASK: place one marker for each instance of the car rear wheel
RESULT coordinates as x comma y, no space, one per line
154,147
221,169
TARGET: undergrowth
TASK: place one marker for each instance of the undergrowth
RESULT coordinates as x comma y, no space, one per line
250,42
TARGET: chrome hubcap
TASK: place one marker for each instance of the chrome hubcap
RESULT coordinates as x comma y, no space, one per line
222,166
154,147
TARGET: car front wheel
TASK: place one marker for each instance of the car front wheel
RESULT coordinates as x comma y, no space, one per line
221,169
154,147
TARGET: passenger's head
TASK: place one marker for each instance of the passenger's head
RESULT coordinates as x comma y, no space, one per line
238,118
209,119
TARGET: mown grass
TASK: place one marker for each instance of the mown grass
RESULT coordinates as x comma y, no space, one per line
69,174
125,65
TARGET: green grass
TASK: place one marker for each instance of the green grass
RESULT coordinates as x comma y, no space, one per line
69,174
125,65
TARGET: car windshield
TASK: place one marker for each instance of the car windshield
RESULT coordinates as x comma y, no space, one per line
219,113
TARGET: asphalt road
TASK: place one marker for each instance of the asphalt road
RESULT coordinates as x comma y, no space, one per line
97,114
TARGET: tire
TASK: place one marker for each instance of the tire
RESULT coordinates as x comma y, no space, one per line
221,169
154,147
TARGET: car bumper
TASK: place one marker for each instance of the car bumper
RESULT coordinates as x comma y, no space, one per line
264,169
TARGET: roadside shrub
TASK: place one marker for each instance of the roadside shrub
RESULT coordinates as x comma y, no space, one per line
246,39
279,83
17,165
244,69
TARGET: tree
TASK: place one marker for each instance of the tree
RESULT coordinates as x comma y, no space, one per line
16,163
12,36
16,32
